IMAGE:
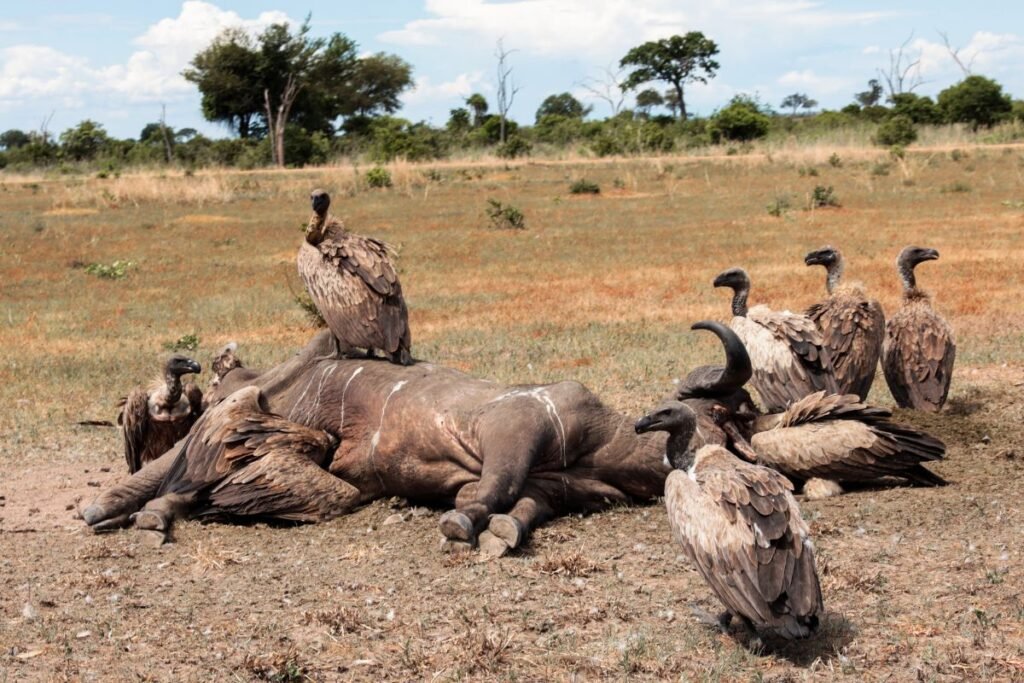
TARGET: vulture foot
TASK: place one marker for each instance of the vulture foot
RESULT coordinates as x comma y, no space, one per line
456,526
491,545
507,528
720,621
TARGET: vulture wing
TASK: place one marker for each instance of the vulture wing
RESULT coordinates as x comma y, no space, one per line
787,355
852,329
839,438
742,529
194,395
133,418
242,461
918,360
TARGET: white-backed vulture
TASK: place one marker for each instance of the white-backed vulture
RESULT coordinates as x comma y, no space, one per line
741,528
919,345
153,418
852,325
786,349
354,285
243,462
839,439
223,362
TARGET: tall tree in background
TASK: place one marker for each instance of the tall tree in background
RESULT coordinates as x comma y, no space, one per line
871,96
478,105
563,104
798,100
677,60
260,85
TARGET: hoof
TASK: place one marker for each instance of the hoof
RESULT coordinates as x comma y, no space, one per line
491,545
150,520
457,526
152,538
119,522
455,547
93,515
507,528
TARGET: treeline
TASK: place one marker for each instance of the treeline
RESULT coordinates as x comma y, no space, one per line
290,99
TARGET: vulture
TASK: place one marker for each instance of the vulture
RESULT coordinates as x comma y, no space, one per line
241,461
838,439
852,325
354,285
919,345
786,349
153,419
223,362
740,527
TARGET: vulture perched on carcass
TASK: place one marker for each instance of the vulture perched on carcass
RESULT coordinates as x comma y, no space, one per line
153,419
243,462
919,345
741,528
786,349
354,285
852,325
825,440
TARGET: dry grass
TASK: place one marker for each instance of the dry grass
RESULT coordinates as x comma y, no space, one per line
919,583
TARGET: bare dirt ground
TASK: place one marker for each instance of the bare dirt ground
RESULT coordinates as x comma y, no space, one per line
919,584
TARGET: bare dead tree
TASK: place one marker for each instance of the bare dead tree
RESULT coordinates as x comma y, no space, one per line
168,153
44,126
276,121
507,87
955,54
904,73
608,88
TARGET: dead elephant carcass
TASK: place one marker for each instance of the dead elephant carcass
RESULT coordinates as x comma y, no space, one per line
508,458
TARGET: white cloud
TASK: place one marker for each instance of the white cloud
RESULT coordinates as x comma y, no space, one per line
151,73
985,52
821,85
871,50
460,87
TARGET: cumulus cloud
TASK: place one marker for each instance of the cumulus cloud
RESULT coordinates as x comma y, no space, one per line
808,80
985,52
151,73
459,87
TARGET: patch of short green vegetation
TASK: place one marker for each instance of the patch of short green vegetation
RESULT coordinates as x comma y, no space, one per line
505,216
378,177
584,186
957,187
112,271
186,342
823,196
780,205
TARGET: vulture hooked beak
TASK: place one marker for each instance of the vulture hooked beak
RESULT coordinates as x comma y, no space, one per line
194,367
818,257
929,254
647,423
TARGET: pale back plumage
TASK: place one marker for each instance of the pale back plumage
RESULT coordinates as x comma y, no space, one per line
841,439
920,350
787,355
355,286
852,328
741,528
242,461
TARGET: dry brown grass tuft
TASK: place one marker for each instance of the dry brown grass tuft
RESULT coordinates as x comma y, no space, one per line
571,564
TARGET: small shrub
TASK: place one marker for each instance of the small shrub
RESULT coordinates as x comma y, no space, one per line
514,147
115,271
881,168
619,184
505,216
896,130
432,175
779,206
898,152
188,342
583,186
808,171
834,161
956,187
378,177
823,196
957,155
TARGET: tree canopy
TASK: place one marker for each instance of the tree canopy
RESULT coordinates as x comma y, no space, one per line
676,60
563,104
976,100
798,101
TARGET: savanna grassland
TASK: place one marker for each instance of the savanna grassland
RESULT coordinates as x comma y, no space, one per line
921,584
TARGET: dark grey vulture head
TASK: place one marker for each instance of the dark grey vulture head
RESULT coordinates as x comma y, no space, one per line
179,365
321,202
911,256
826,256
734,278
679,420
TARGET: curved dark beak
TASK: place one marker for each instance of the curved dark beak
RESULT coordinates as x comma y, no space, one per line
645,424
930,255
720,281
194,367
812,258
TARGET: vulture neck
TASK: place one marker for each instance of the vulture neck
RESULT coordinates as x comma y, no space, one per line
739,301
173,384
315,229
906,271
677,448
834,272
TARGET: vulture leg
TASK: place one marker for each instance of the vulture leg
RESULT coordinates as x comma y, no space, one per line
720,621
112,508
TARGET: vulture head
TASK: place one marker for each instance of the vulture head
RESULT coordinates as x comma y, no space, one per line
911,256
827,256
321,201
179,365
224,362
679,420
734,278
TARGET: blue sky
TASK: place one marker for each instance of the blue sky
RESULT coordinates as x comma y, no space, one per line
118,62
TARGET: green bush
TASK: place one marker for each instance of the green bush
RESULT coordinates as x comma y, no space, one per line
378,177
896,130
188,342
779,206
114,271
514,147
505,216
976,100
583,186
741,120
823,196
834,161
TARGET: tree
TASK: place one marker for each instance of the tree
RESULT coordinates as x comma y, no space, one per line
478,105
976,100
227,73
609,87
918,108
14,138
459,120
84,141
648,99
798,101
564,105
676,60
742,119
904,72
507,87
871,96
